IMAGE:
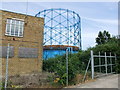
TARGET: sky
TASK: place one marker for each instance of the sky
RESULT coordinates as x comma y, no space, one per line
95,16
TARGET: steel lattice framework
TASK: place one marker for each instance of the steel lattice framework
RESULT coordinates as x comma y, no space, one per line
62,27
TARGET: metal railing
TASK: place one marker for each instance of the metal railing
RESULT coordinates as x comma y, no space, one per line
109,61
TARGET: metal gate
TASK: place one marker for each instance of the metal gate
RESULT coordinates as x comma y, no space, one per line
102,64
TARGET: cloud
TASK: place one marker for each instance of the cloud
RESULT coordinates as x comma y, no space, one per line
104,21
89,35
88,42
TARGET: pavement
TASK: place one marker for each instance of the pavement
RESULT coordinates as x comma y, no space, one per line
110,81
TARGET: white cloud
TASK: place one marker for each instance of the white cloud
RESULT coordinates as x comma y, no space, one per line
88,42
104,21
89,35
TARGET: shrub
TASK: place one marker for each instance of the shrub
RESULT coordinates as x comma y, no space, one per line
58,65
78,62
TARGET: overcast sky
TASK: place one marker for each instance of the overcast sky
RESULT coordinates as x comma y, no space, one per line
95,16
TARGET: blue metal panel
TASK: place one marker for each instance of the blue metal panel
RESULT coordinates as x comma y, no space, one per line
52,53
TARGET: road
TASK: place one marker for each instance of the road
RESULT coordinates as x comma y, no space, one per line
110,81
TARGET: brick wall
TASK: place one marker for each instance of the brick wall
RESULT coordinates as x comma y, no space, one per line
32,38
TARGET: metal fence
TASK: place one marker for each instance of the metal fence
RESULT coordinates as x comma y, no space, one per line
69,50
102,64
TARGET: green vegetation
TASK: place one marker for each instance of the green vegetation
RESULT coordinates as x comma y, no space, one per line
58,65
103,37
78,62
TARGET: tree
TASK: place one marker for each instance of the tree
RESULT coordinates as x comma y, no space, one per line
103,37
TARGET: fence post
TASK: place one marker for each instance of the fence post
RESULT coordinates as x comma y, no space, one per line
115,60
111,61
92,64
86,70
1,68
67,67
99,62
106,63
6,76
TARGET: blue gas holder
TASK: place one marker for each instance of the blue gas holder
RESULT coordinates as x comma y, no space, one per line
62,28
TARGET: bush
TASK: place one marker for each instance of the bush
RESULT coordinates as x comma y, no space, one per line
78,62
58,65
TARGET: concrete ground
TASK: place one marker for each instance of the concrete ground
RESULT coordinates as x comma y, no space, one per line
110,81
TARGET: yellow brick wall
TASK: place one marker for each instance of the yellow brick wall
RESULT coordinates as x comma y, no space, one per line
32,37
